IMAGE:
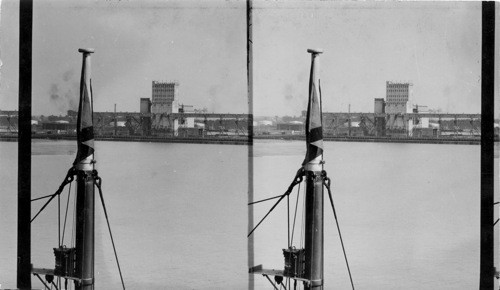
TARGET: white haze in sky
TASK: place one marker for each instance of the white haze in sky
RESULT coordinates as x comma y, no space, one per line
202,45
435,46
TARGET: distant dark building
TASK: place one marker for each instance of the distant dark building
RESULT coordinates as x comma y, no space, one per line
379,106
352,131
145,121
293,126
145,106
425,132
72,113
190,132
61,127
379,121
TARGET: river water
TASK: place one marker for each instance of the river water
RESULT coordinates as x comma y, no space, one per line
177,212
409,213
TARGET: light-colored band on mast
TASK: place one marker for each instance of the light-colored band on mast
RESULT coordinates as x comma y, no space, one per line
315,165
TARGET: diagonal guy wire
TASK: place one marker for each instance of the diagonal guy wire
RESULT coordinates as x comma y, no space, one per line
298,179
68,179
326,182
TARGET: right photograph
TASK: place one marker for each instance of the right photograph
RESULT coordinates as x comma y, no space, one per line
367,156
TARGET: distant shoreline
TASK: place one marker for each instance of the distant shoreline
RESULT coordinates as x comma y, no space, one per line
206,140
458,141
247,141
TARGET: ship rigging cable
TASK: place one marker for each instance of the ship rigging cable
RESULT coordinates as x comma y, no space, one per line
290,237
68,180
295,214
98,181
498,219
297,180
66,215
326,183
70,176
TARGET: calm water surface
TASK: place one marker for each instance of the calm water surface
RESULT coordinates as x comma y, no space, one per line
409,213
177,212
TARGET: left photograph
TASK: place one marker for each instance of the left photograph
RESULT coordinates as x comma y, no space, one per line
124,144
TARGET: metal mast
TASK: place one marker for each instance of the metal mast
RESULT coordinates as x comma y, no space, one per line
84,164
313,165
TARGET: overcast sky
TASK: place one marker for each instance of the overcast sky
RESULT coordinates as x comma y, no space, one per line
202,44
435,46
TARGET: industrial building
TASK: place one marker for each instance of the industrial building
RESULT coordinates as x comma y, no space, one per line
59,127
399,97
163,103
145,107
291,127
380,122
398,100
420,127
165,93
164,100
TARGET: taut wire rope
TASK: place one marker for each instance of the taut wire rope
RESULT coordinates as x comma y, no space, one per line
326,183
98,182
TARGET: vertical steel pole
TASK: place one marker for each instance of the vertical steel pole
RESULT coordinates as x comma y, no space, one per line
314,229
487,270
24,147
250,245
115,122
85,230
84,243
313,243
349,120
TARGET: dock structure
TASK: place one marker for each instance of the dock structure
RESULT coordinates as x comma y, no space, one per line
173,115
379,125
406,115
200,125
147,123
382,124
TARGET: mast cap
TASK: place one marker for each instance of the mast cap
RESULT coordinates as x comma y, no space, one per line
315,51
86,50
